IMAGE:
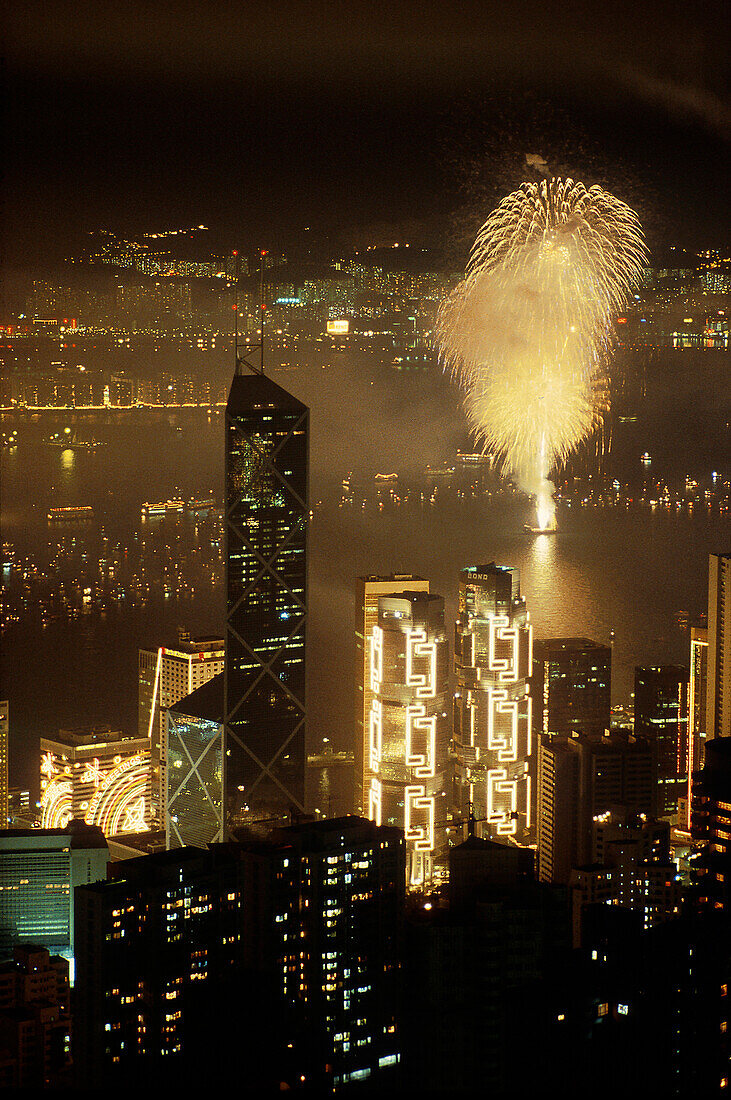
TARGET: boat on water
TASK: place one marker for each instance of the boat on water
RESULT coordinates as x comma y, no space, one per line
163,508
70,515
68,441
540,530
203,505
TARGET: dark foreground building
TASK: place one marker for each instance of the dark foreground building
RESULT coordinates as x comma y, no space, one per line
266,964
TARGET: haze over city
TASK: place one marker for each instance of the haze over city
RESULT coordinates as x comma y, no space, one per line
364,507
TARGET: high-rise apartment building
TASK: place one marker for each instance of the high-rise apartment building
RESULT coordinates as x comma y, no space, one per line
571,686
661,715
166,675
718,689
579,779
711,825
35,1020
368,592
4,755
267,514
39,870
283,950
492,708
408,726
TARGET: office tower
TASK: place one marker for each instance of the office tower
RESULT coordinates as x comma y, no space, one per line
39,870
35,1020
711,826
492,708
4,753
282,950
267,513
697,686
193,802
166,675
661,715
408,726
718,689
97,775
580,778
570,686
368,591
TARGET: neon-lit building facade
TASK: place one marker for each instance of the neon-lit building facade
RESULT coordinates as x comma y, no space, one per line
697,687
368,591
408,727
492,707
266,520
98,776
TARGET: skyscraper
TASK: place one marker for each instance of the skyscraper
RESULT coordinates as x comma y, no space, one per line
193,803
571,686
4,746
718,692
368,591
661,715
166,675
408,727
492,709
579,779
697,690
267,512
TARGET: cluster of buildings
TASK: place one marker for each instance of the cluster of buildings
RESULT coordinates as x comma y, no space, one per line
516,868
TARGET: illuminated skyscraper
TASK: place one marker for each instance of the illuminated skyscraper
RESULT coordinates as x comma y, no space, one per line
492,708
4,747
267,513
166,675
194,792
571,686
408,727
718,691
368,591
661,715
697,687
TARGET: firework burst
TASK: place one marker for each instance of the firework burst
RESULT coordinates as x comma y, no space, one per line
528,331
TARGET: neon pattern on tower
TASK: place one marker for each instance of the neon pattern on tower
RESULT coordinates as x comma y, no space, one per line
492,714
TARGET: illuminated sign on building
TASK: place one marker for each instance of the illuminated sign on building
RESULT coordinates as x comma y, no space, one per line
338,328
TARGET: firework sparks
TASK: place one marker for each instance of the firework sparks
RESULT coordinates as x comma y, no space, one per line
528,331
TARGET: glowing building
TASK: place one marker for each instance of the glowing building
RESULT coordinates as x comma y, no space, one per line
492,707
39,870
408,726
267,513
96,775
193,805
368,591
4,750
718,690
697,688
166,675
661,715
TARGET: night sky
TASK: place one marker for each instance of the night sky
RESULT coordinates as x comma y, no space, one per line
364,122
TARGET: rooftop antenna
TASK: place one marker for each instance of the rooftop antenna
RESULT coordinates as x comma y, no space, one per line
249,351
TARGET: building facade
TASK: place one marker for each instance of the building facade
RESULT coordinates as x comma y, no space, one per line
193,806
718,689
571,686
97,775
408,727
39,871
166,675
661,715
368,591
282,950
267,514
492,708
4,756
